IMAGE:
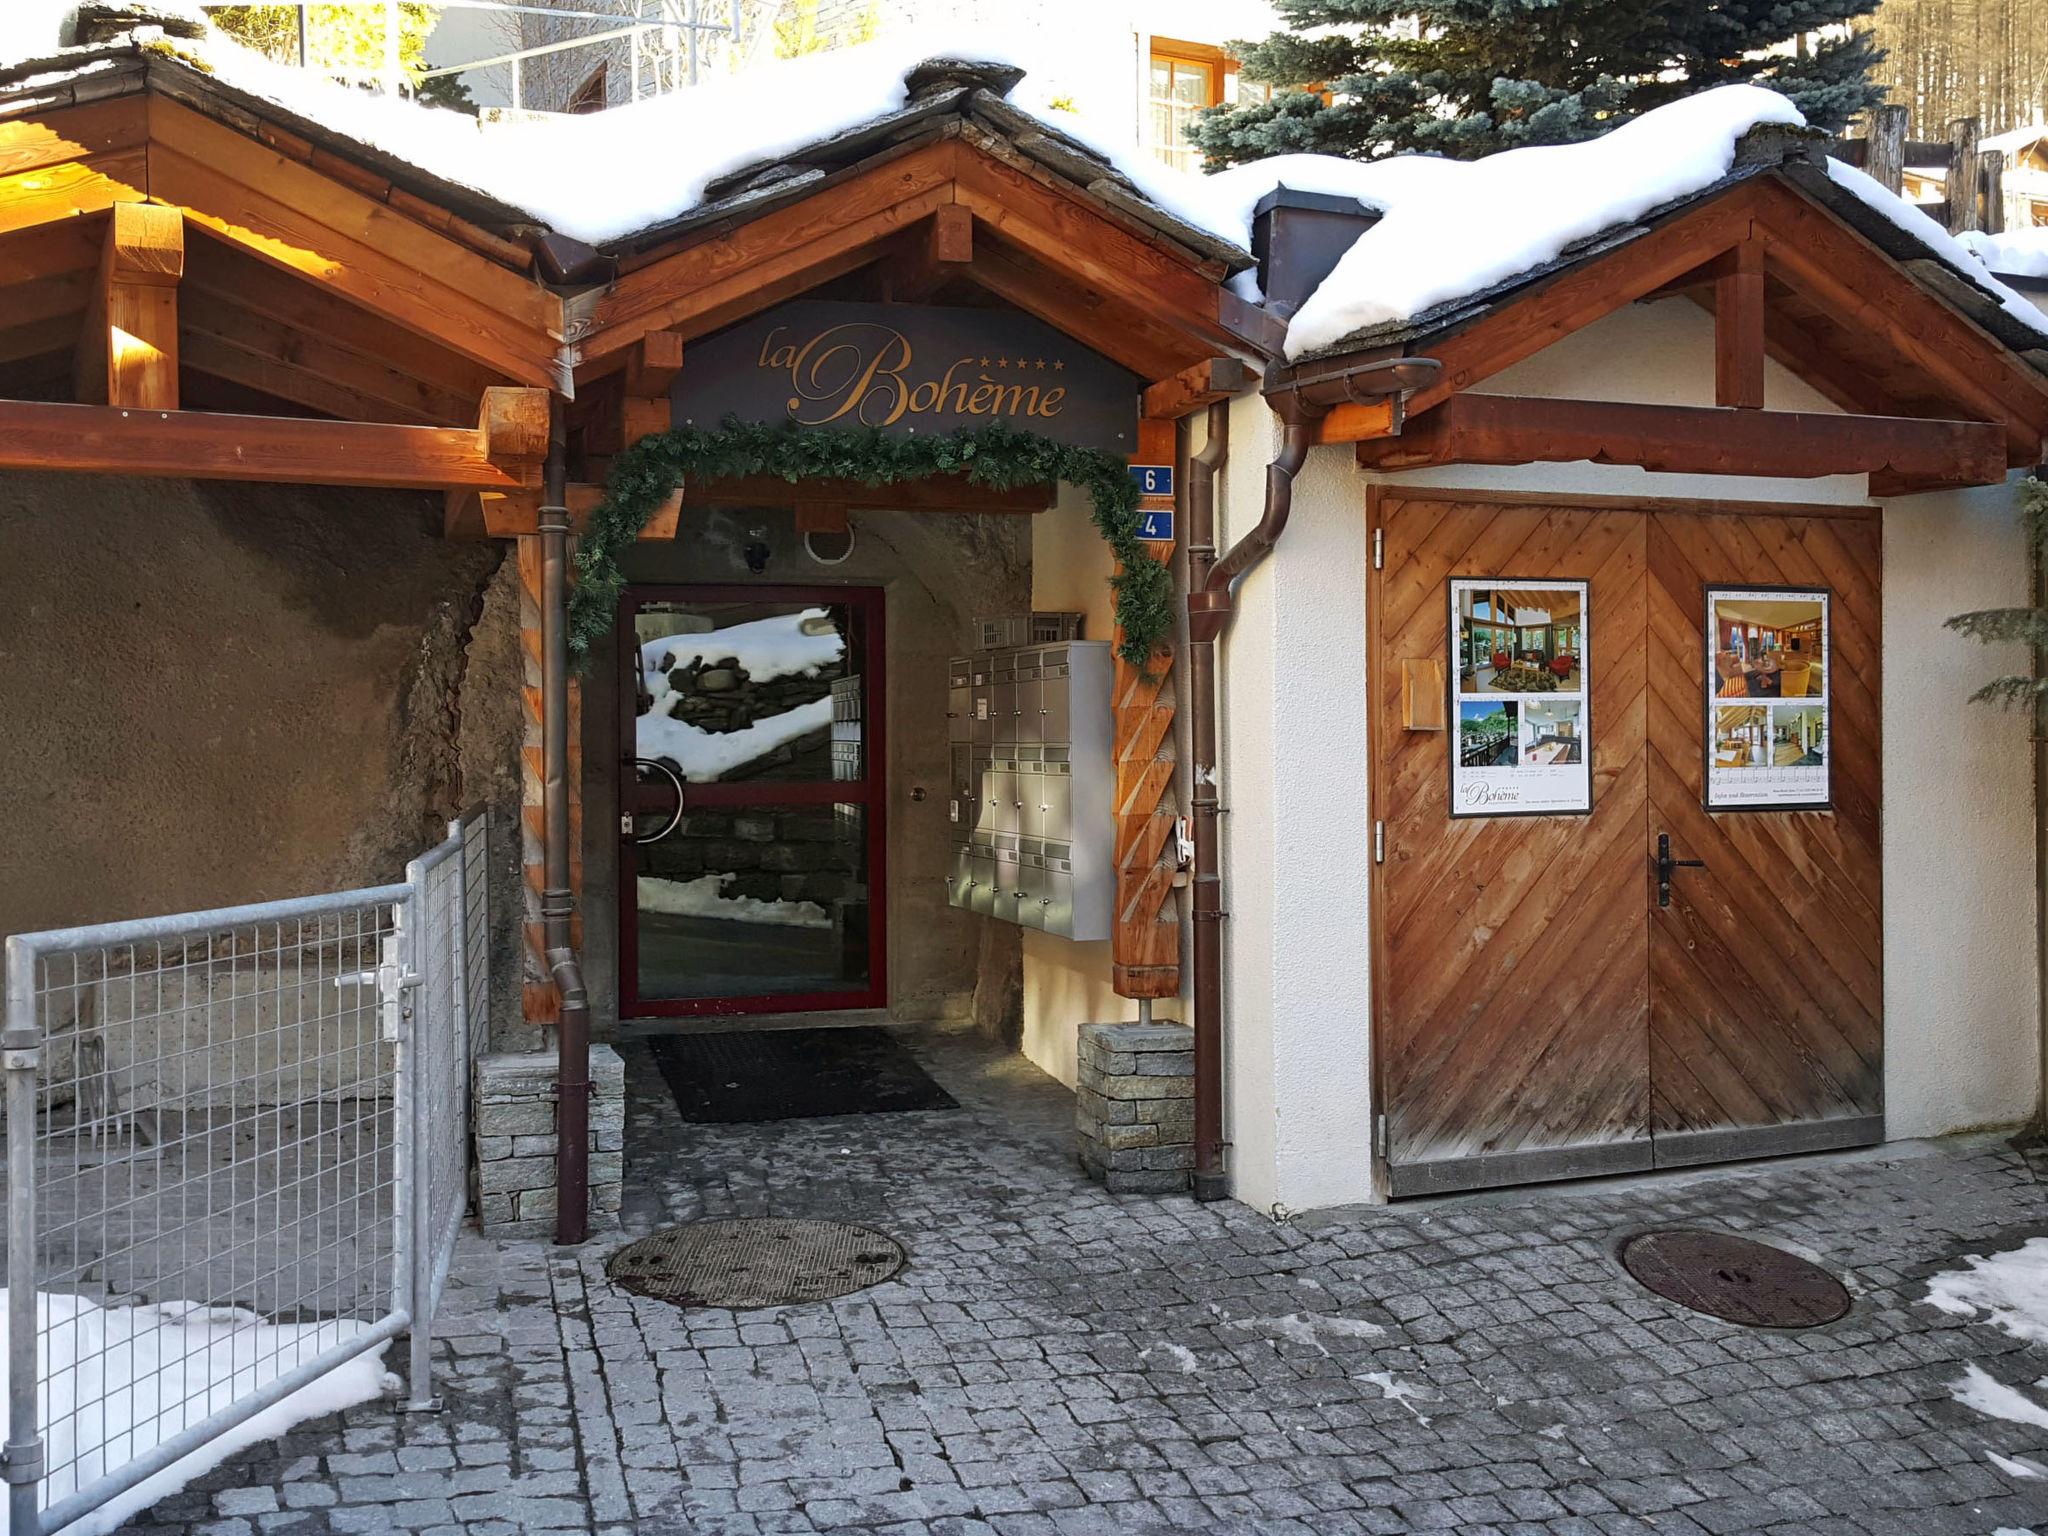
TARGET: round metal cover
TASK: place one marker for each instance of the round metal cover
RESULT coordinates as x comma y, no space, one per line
1735,1279
760,1262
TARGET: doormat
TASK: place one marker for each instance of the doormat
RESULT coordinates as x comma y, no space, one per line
1734,1279
756,1262
793,1074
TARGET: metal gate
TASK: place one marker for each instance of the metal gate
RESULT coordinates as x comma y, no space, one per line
213,1120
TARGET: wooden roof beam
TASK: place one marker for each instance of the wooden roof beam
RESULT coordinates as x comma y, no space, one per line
1693,440
128,346
1739,329
199,445
1194,389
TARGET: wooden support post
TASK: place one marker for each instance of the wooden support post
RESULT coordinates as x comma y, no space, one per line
1146,944
1991,173
952,235
653,363
128,350
1886,162
1960,190
1739,328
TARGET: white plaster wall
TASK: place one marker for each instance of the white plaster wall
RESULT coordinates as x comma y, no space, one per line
1297,837
1962,1031
1962,1035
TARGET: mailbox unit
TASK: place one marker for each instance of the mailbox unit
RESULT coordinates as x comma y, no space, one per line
1028,733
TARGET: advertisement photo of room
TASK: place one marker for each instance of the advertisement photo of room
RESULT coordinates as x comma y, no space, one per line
1519,640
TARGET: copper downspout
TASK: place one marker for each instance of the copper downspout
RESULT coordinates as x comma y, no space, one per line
1301,406
1209,607
558,901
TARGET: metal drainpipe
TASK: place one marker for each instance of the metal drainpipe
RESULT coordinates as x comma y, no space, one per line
558,901
1210,604
1209,608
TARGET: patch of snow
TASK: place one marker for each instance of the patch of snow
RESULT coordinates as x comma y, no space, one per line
1179,1354
703,897
1984,1392
1299,1329
34,29
702,756
1452,228
2014,1466
1944,245
126,1379
2016,253
2011,1287
1395,1390
767,648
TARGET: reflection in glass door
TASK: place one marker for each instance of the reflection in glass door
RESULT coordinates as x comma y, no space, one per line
751,800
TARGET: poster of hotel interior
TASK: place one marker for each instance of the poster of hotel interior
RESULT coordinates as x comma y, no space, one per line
1519,698
1767,699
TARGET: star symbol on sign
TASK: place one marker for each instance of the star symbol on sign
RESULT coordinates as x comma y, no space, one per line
984,362
1041,365
1059,367
1002,362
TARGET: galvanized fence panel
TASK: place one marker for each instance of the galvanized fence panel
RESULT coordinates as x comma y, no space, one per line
218,1119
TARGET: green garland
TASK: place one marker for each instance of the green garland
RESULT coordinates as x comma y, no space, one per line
998,457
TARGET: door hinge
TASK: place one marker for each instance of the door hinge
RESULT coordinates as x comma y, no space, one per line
1379,842
1379,1135
1379,548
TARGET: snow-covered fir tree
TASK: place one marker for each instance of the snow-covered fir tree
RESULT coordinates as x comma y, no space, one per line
1467,77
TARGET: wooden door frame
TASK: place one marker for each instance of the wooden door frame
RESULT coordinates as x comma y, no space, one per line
1377,495
873,798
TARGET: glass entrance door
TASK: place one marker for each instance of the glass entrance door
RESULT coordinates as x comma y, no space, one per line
751,800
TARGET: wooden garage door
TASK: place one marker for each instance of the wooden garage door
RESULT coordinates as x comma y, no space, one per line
1537,1015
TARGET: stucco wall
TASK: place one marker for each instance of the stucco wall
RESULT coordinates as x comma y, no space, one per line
1962,1035
938,572
231,693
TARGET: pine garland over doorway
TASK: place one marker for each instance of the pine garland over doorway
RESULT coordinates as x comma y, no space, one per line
996,456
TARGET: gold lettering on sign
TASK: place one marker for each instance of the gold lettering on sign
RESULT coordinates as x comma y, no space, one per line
862,372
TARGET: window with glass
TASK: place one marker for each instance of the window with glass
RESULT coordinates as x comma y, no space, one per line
1181,87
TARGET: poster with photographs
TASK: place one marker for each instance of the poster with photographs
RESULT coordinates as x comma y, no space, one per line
1519,699
1767,699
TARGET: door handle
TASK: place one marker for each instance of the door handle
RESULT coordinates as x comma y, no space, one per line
1665,864
675,779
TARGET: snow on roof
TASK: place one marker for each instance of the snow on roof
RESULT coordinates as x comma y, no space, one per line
1953,251
2016,253
2014,139
1455,228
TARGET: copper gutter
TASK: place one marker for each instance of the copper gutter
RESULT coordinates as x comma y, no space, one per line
558,900
1301,405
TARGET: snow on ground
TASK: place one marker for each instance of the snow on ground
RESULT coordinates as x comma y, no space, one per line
703,756
1182,1357
1299,1329
1395,1390
767,648
1980,1390
2011,1287
118,1381
701,898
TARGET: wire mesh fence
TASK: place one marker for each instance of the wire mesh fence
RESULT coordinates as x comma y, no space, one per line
235,1164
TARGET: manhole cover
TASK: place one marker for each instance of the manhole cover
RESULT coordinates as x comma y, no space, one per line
1735,1279
767,1262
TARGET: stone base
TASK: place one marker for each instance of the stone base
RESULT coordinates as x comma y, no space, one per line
515,1142
1134,1108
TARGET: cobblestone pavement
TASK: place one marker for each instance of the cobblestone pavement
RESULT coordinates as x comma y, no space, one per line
1059,1361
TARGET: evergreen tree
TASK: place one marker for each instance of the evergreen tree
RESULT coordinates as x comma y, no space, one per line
1467,77
345,41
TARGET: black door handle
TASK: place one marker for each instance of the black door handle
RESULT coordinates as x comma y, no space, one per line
1666,864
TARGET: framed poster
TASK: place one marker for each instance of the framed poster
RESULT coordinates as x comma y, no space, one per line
1768,657
1521,719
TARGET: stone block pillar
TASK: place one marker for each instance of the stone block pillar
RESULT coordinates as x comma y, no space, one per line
1135,1107
515,1141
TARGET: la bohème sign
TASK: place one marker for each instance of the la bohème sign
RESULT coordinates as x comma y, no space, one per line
907,368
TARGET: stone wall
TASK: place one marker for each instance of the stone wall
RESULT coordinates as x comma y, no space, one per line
225,693
516,1141
1134,1110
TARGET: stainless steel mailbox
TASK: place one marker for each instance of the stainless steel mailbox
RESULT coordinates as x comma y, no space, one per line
1032,823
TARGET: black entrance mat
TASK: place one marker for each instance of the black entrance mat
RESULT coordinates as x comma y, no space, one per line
792,1074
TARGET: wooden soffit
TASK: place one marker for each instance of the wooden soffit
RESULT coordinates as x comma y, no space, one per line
941,210
1831,307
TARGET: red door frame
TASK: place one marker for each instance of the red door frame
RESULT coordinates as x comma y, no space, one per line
870,793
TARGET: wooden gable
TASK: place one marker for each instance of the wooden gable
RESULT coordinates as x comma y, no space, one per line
1931,398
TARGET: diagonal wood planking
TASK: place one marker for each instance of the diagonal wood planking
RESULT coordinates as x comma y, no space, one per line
1767,970
1513,1012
